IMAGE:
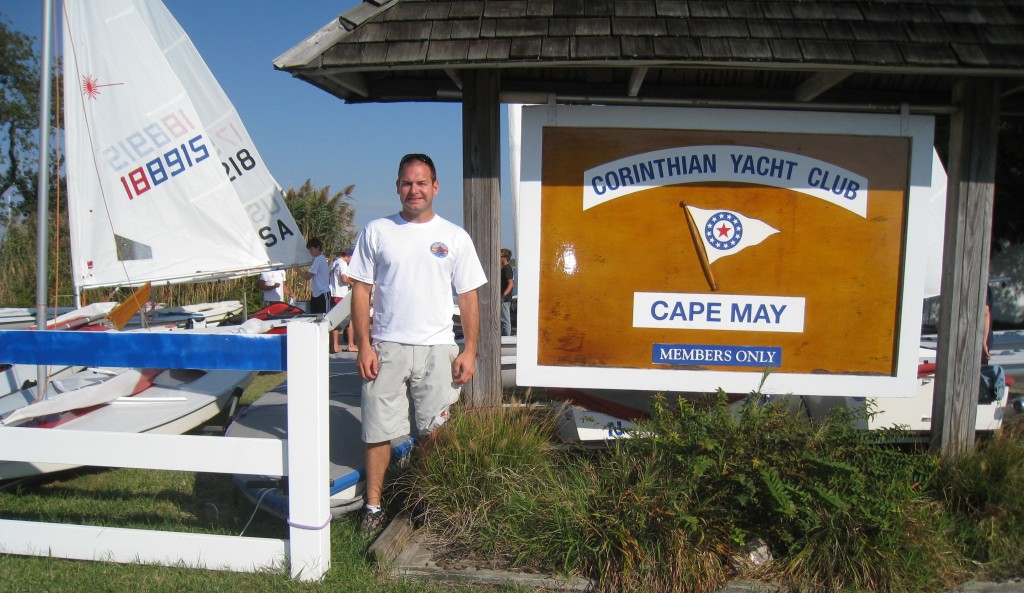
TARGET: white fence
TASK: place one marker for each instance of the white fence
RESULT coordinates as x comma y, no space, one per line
303,457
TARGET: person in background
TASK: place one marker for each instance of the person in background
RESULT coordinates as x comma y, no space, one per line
272,283
986,344
339,288
410,262
507,282
319,277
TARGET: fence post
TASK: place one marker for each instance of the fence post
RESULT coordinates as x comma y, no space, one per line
308,451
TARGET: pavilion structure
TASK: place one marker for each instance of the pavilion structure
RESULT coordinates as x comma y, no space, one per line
959,60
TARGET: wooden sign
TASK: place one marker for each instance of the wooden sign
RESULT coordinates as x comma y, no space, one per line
687,250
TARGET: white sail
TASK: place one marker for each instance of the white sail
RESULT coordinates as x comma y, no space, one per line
164,182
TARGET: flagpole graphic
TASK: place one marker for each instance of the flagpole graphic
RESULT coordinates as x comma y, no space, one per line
721,233
698,245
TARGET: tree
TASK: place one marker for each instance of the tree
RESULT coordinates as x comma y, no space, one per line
320,214
19,117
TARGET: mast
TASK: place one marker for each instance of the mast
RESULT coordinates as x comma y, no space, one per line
44,186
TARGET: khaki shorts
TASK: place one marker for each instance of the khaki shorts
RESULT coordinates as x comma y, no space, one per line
414,382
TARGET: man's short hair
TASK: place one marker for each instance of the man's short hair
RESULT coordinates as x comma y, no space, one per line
315,242
418,156
506,253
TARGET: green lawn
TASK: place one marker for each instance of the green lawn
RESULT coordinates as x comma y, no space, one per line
174,501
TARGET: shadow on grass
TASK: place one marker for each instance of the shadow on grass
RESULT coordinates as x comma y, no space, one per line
152,499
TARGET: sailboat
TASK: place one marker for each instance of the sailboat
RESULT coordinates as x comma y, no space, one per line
165,186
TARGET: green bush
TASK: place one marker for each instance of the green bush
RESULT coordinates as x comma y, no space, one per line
678,506
841,509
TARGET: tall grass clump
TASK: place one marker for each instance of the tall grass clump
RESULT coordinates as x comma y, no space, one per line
479,479
984,494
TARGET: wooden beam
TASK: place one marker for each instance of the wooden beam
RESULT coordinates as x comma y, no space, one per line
481,156
636,78
972,162
355,83
818,84
453,74
1013,90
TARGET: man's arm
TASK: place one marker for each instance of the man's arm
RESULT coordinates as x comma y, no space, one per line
366,361
986,355
464,366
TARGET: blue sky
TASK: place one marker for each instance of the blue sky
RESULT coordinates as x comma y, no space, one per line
301,131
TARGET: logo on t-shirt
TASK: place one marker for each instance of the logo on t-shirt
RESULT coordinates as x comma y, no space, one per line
439,249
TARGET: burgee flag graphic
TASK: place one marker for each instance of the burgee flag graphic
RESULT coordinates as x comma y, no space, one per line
725,232
718,233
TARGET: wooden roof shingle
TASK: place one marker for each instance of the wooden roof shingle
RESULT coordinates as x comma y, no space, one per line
577,46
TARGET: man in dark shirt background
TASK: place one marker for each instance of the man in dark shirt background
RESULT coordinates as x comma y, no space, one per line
507,282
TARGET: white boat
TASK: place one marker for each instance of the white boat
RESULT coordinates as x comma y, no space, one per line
914,413
165,186
23,317
22,378
1007,350
198,315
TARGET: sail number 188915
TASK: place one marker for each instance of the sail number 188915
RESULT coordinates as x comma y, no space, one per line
171,163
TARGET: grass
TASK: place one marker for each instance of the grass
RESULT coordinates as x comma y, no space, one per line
176,501
985,495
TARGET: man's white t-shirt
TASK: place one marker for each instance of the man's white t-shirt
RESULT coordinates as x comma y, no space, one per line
338,269
414,267
274,277
320,275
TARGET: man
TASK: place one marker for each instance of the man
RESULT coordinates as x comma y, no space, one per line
318,274
507,282
272,283
339,286
411,260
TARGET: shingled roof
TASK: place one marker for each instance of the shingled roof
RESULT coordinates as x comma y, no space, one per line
896,51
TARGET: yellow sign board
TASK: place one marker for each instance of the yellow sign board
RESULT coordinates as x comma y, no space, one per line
688,250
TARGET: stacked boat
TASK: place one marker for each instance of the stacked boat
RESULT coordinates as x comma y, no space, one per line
150,201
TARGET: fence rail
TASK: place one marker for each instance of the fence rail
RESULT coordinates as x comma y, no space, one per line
302,457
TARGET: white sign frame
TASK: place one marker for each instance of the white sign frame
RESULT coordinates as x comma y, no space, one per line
918,129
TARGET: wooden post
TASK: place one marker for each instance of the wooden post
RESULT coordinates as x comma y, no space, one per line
482,211
972,162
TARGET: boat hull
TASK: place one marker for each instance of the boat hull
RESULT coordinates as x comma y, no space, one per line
178,401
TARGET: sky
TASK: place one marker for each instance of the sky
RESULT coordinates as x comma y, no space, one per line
301,131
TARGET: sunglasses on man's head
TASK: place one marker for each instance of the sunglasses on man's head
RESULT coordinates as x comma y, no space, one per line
416,156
